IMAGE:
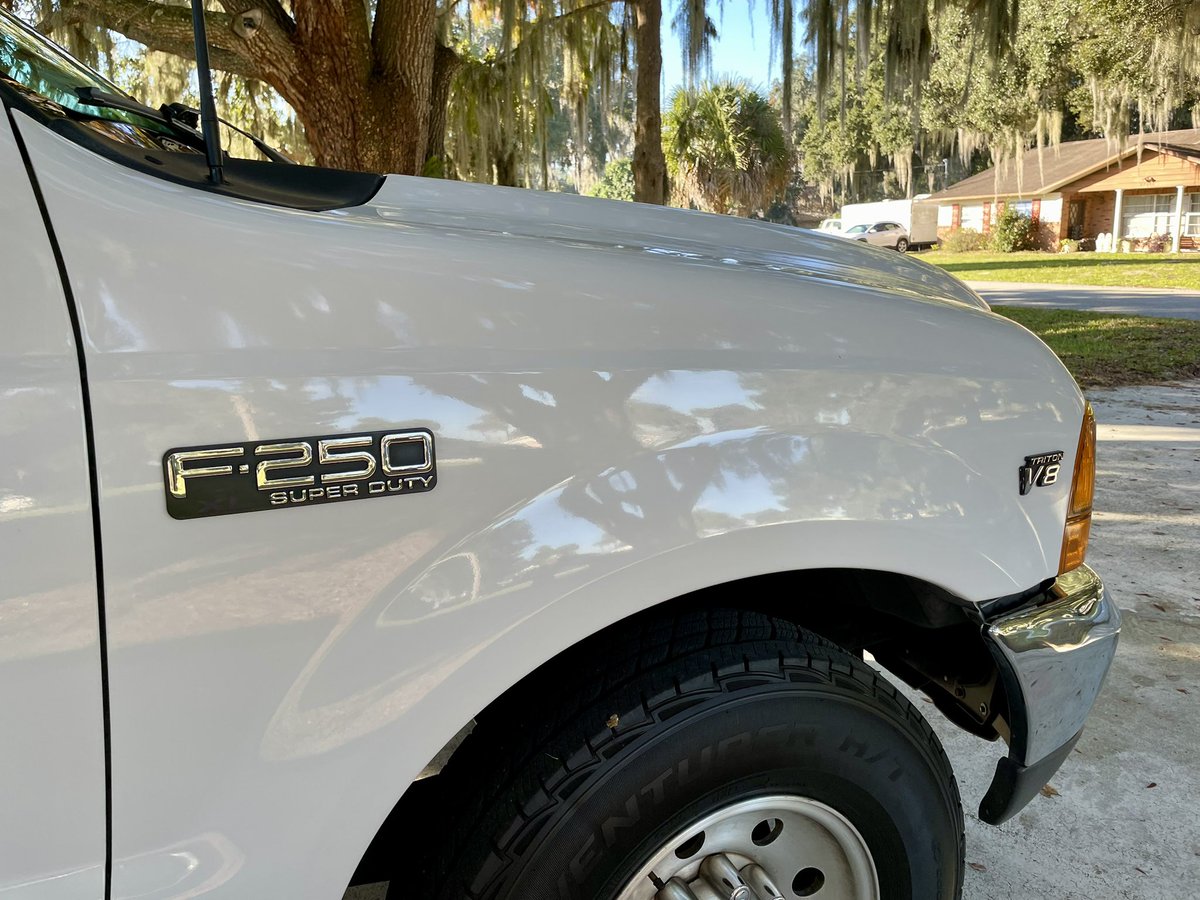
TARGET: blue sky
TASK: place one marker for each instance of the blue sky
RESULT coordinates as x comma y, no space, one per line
743,48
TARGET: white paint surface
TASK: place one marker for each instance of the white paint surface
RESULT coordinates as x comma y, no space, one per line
629,403
51,729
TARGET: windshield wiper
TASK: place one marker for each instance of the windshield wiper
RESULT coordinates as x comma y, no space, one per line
96,97
182,118
191,118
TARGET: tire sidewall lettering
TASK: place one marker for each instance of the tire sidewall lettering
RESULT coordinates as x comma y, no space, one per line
816,758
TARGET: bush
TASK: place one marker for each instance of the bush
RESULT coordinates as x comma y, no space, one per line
1013,231
617,183
963,240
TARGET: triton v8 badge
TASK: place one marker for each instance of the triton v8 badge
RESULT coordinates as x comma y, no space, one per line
220,479
1040,471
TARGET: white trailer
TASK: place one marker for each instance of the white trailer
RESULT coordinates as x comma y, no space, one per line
917,215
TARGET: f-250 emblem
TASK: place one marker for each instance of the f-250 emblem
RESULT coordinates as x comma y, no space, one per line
219,479
1040,471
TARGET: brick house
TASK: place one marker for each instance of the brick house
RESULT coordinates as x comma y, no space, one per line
1085,188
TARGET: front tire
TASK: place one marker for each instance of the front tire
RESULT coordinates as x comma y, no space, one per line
615,760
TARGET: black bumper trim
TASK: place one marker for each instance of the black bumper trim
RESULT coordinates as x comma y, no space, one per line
1014,785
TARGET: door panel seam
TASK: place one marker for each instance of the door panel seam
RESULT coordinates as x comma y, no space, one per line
94,487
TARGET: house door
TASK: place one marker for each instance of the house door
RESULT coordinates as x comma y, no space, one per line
1075,220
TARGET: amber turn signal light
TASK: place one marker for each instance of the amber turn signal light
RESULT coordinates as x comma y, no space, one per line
1083,484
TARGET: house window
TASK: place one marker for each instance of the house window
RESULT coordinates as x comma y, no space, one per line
1191,215
1022,207
972,217
1145,214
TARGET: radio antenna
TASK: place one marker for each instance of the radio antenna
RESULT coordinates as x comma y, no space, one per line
208,107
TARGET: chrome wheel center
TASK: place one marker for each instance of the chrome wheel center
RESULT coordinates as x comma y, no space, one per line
778,847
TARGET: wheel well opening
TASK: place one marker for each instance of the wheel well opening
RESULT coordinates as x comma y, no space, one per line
921,633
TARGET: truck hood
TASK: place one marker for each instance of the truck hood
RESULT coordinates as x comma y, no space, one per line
614,224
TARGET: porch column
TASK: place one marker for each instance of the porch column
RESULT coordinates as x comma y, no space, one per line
1177,237
1116,232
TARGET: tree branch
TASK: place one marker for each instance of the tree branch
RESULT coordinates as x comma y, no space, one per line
273,8
587,7
548,23
159,27
267,34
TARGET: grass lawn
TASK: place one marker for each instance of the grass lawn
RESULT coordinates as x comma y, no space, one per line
1159,270
1104,350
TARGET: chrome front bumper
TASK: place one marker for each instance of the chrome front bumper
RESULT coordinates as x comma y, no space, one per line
1052,658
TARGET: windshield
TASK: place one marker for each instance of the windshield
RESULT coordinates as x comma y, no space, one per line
40,66
857,229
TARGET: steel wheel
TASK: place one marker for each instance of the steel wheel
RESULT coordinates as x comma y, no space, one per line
766,848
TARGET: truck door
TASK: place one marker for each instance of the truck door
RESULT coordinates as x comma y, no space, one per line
52,750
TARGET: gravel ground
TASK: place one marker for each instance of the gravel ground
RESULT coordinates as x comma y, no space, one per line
1120,820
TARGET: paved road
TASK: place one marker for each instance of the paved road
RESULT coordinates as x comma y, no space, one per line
1170,304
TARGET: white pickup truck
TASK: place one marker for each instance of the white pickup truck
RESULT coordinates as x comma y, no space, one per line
501,544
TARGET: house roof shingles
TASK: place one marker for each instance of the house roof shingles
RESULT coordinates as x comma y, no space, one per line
1061,165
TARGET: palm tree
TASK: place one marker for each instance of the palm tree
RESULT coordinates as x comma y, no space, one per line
725,148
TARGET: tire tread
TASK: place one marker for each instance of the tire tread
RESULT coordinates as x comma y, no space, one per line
505,779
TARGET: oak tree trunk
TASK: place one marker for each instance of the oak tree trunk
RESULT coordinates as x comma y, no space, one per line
649,164
371,95
362,89
365,95
446,64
